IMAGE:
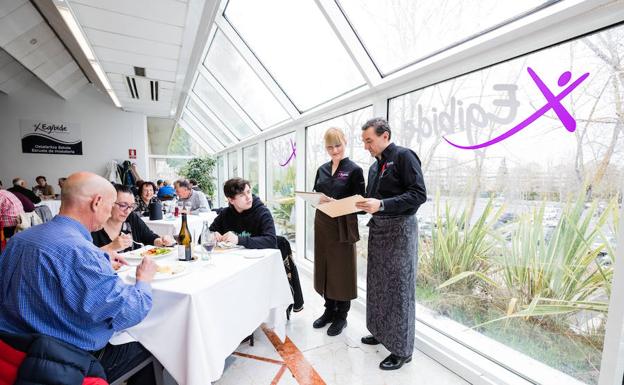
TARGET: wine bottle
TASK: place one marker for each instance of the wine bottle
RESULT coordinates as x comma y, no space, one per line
184,241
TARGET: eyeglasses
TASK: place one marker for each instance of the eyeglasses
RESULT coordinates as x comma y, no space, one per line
124,206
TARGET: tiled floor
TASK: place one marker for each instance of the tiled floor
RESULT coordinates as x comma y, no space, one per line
310,356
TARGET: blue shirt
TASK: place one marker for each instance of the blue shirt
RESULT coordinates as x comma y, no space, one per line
54,281
166,191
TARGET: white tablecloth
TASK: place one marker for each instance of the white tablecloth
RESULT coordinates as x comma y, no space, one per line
198,320
172,226
53,204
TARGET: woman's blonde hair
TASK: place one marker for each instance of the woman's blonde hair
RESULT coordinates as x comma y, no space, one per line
333,136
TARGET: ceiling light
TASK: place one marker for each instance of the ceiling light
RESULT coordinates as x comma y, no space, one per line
74,27
76,31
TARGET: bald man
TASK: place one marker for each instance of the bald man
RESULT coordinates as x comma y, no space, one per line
54,281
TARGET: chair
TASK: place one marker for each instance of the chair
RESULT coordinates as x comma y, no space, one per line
41,359
293,276
44,212
2,239
158,371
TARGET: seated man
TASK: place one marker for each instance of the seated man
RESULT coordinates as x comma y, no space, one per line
166,191
43,189
19,185
54,281
194,201
10,210
246,221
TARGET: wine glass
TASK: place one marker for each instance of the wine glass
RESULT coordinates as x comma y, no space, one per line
208,241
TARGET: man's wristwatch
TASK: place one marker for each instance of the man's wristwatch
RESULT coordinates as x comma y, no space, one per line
381,205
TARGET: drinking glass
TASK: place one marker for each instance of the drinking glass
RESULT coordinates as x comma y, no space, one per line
208,241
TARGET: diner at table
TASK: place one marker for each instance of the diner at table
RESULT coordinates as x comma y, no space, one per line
80,315
124,230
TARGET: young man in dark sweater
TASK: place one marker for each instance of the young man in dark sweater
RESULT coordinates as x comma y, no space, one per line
246,221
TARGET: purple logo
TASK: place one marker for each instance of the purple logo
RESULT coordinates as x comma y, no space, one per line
552,101
342,175
293,154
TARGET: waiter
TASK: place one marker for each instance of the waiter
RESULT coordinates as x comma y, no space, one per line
335,273
395,191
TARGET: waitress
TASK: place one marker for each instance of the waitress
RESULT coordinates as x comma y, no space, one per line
335,274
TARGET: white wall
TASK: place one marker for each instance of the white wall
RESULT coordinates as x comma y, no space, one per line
107,133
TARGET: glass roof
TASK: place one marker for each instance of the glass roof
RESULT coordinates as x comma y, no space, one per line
221,108
310,67
242,83
269,62
201,114
397,33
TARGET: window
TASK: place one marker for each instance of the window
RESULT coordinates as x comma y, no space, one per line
250,167
297,46
397,33
242,83
199,112
518,240
316,155
280,180
221,178
232,158
221,108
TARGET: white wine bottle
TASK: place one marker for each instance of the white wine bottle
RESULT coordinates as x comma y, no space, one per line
184,241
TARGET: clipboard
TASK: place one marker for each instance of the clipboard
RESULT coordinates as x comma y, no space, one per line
312,198
341,207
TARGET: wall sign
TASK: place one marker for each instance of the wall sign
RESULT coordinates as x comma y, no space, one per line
45,137
132,153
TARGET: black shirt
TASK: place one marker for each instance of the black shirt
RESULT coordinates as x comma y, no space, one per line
26,192
396,178
255,227
140,233
348,179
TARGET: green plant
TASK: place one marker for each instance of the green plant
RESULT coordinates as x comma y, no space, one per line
201,169
559,274
459,249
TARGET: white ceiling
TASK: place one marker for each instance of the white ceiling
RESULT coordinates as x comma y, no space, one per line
29,41
158,35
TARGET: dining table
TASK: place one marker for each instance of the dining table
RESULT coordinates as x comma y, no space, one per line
53,204
201,313
170,224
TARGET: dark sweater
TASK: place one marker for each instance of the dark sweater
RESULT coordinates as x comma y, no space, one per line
140,233
29,207
26,192
254,227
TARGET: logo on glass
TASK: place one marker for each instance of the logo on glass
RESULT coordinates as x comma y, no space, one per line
552,101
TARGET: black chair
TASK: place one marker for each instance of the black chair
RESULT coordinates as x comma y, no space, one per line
293,276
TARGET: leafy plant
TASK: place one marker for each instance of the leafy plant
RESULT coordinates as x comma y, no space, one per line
559,274
459,249
201,169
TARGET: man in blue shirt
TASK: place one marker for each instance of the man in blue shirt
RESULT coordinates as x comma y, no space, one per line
54,281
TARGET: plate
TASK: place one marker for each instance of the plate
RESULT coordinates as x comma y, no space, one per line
228,245
167,271
137,254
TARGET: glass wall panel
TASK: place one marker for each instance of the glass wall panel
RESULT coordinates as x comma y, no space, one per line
221,177
199,112
316,155
518,239
297,46
166,168
221,108
242,83
280,182
250,167
232,158
397,33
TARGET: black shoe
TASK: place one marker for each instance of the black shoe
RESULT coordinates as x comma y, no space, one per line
336,327
393,362
323,320
370,340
